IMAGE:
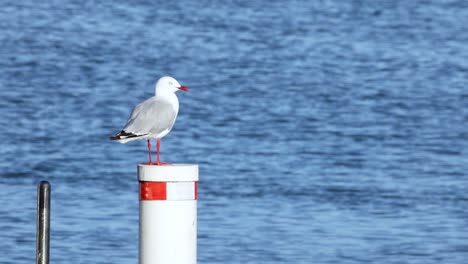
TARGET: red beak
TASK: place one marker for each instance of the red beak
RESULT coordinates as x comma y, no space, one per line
183,88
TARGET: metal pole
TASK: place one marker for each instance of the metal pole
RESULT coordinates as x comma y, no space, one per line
43,223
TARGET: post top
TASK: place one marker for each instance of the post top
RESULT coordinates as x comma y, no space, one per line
168,173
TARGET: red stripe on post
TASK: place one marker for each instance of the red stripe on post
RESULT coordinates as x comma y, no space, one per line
153,191
196,190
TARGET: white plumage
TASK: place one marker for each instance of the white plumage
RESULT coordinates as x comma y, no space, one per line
154,117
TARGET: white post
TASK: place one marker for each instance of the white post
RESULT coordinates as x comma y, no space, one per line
168,213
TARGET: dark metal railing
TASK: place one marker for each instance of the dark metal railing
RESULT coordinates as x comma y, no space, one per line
43,223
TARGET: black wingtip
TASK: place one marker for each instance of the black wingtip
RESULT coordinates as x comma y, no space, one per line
123,135
117,136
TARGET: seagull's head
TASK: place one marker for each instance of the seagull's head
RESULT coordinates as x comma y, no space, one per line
169,84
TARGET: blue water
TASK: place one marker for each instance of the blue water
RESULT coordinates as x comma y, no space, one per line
326,131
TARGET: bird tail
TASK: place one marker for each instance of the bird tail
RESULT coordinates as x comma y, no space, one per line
124,137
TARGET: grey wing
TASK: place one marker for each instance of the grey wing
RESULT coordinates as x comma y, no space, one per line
152,116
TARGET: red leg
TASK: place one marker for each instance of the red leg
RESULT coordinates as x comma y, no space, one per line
158,146
149,152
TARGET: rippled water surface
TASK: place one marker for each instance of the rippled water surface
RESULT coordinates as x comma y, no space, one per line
326,132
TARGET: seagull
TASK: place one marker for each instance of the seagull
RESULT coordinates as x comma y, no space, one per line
154,117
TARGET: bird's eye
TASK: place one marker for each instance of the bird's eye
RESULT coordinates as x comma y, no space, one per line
170,83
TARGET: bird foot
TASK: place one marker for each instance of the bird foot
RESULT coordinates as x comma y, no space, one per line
159,163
